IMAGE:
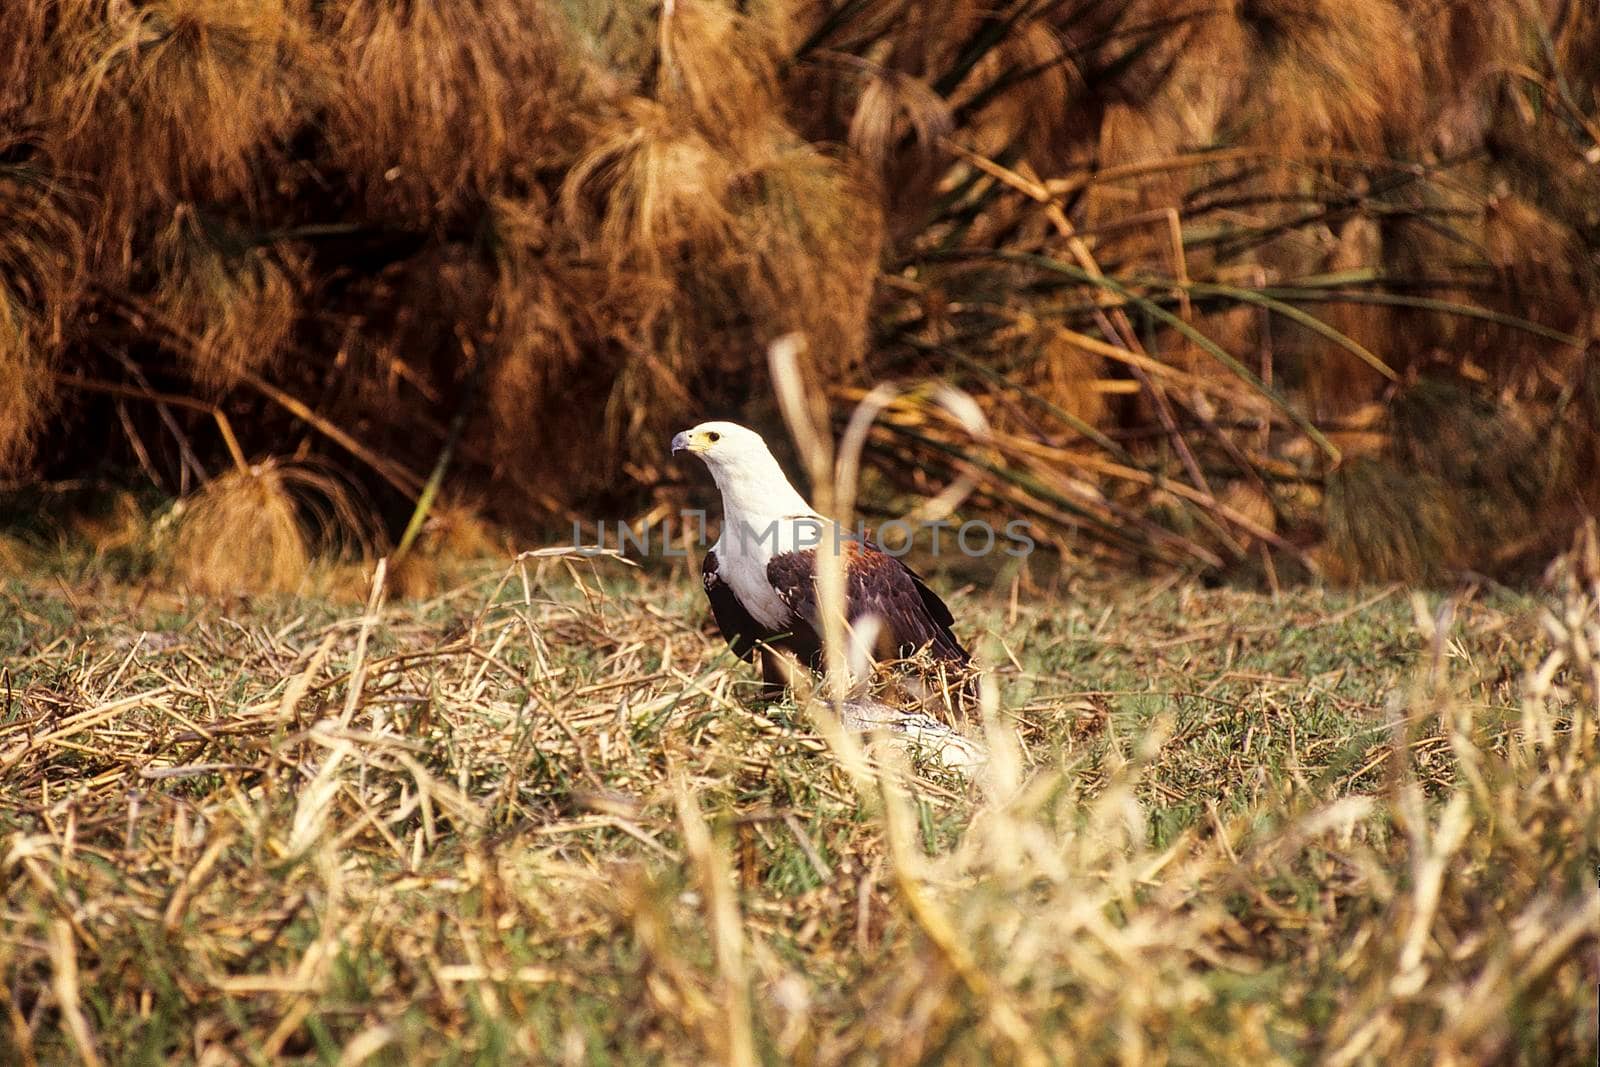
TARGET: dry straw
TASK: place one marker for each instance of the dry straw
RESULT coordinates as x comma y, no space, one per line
174,100
236,300
256,528
1176,253
535,815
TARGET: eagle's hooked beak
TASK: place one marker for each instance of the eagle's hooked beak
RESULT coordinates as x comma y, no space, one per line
680,443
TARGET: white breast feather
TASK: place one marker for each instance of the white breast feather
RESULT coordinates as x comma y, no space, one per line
742,558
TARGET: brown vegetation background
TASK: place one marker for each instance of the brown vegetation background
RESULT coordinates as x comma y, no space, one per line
1243,282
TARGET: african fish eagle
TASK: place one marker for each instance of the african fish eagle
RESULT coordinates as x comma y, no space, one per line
761,574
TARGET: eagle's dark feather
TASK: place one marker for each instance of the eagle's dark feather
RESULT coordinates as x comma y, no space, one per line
913,617
876,583
738,628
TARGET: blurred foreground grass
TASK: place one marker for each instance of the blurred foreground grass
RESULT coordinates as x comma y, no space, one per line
531,819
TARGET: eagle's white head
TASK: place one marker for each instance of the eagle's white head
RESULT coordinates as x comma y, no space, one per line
721,443
752,483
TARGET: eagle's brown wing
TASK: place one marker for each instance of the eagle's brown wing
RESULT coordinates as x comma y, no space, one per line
878,584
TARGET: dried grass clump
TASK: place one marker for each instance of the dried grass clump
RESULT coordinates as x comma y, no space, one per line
1337,382
896,108
23,28
722,238
25,383
810,239
803,256
1030,92
1302,78
1546,271
440,106
256,530
40,263
242,534
660,198
1466,51
1232,230
1463,480
174,100
235,299
718,66
1577,34
1168,100
650,191
1327,74
560,327
1388,524
16,557
1477,446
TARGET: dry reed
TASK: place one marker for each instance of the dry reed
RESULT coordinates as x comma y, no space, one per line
1175,251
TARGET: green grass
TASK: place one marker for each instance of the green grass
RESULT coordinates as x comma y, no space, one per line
1211,842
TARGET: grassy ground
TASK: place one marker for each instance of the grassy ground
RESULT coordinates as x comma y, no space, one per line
533,819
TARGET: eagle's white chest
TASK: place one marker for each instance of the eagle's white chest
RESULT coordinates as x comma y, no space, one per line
743,552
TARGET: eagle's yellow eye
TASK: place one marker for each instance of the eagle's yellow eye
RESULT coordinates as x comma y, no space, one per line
713,436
